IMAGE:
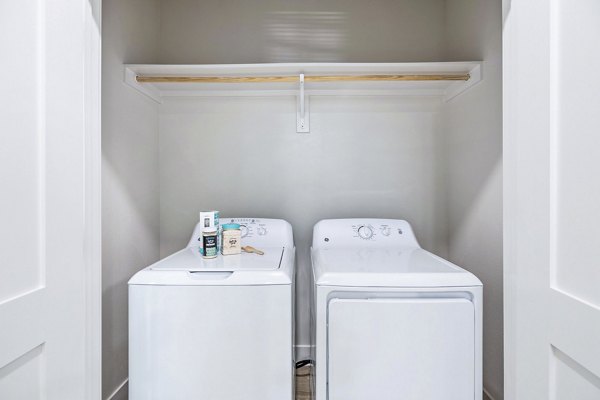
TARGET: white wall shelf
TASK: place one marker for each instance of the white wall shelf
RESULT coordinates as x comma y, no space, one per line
445,80
446,89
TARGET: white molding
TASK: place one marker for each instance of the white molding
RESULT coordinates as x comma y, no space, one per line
130,79
406,92
118,390
304,346
452,67
457,88
303,351
509,193
93,190
487,395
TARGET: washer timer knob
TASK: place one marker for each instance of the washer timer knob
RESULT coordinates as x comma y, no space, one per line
365,232
244,230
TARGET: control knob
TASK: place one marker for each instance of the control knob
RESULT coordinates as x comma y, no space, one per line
244,230
262,231
365,232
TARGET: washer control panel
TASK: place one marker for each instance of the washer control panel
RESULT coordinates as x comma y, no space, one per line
257,232
250,227
367,232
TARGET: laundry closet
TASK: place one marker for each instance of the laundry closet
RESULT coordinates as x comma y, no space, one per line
301,111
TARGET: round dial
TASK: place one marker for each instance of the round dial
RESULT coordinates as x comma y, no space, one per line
262,231
244,230
365,232
385,230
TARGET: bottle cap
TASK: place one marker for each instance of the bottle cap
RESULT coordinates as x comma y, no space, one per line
231,226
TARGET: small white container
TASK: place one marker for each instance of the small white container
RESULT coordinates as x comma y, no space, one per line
231,241
210,219
209,242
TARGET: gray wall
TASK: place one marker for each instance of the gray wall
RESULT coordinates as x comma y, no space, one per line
473,141
441,171
367,157
242,31
129,174
280,174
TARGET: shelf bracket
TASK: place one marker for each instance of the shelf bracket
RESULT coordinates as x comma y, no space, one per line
302,113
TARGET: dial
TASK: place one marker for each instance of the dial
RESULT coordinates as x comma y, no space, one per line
365,232
385,230
244,230
262,231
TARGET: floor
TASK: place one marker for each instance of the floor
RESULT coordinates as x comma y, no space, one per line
304,383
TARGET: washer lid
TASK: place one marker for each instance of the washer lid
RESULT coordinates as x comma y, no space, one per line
386,267
188,268
190,259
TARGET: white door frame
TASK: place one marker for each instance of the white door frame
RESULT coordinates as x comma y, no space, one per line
551,193
50,238
93,157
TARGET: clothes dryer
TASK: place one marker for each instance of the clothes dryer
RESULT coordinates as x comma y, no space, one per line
392,320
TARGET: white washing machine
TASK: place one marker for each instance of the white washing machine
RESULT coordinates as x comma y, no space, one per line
391,320
216,329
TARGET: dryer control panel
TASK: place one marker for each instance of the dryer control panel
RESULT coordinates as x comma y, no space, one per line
363,232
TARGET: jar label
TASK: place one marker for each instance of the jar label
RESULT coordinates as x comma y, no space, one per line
209,243
231,242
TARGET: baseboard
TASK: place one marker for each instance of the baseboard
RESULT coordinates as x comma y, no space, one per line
303,351
487,395
120,393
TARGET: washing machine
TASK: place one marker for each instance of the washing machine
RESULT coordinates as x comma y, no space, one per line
216,329
391,320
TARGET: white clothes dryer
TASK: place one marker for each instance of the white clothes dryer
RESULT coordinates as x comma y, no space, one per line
391,320
216,329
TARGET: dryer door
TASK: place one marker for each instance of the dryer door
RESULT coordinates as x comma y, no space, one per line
405,348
